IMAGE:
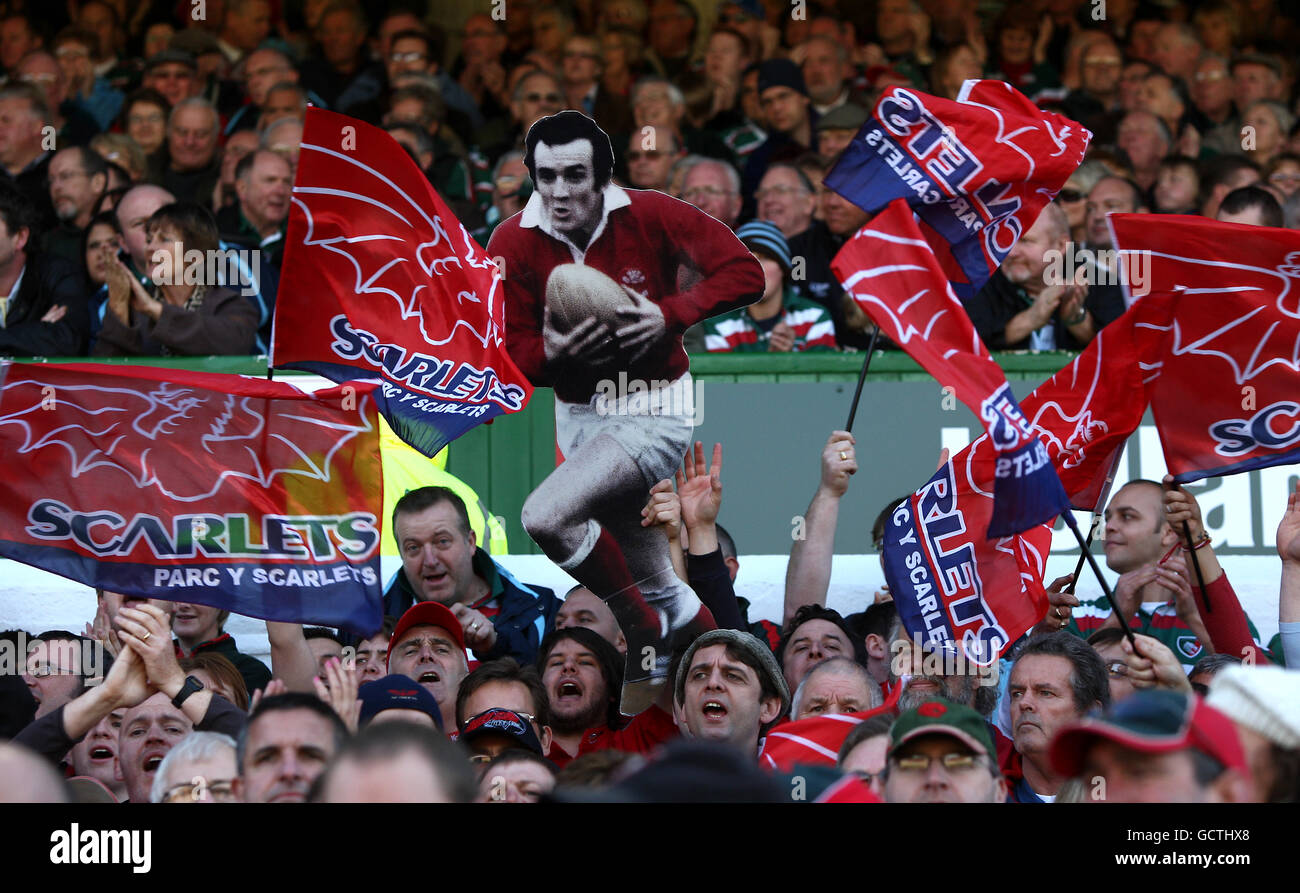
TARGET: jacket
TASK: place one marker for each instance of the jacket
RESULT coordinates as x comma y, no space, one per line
47,281
526,613
224,324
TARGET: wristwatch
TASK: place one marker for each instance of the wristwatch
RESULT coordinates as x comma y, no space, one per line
1083,314
192,685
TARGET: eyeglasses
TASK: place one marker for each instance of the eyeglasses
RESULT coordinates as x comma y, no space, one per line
190,792
40,671
406,57
867,777
651,154
1070,195
953,762
542,97
65,176
1283,177
1203,76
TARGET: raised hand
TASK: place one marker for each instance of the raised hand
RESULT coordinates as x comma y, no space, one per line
341,693
839,463
146,629
1181,506
699,487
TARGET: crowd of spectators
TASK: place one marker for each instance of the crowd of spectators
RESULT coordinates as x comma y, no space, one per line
137,126
489,689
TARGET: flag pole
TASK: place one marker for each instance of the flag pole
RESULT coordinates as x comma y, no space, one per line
862,377
1200,575
1105,587
1097,513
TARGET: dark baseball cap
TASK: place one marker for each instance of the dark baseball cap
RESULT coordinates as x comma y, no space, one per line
427,614
397,692
1152,721
499,721
940,717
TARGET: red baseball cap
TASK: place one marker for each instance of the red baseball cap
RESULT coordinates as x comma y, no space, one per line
427,614
1152,721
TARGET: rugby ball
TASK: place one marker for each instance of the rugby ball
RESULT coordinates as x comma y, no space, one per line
575,292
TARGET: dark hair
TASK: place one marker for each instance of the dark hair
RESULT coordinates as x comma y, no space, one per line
423,36
725,542
194,224
320,632
380,742
103,218
63,635
868,728
294,700
746,48
1222,169
607,658
817,612
147,96
507,669
1105,637
565,127
1212,664
225,672
15,210
1089,682
418,500
1248,197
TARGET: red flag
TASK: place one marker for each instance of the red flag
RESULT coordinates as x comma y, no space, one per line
238,493
1087,411
977,170
815,740
1225,379
892,273
381,280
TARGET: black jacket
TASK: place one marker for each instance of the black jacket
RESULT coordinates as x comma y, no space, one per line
47,281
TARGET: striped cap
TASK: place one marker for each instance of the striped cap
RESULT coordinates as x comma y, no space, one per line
765,236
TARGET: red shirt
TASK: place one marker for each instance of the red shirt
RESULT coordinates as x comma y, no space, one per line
642,243
646,732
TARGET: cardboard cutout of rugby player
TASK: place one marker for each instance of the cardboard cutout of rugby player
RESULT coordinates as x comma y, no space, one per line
600,284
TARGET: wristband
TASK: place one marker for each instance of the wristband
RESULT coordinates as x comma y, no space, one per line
1199,544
